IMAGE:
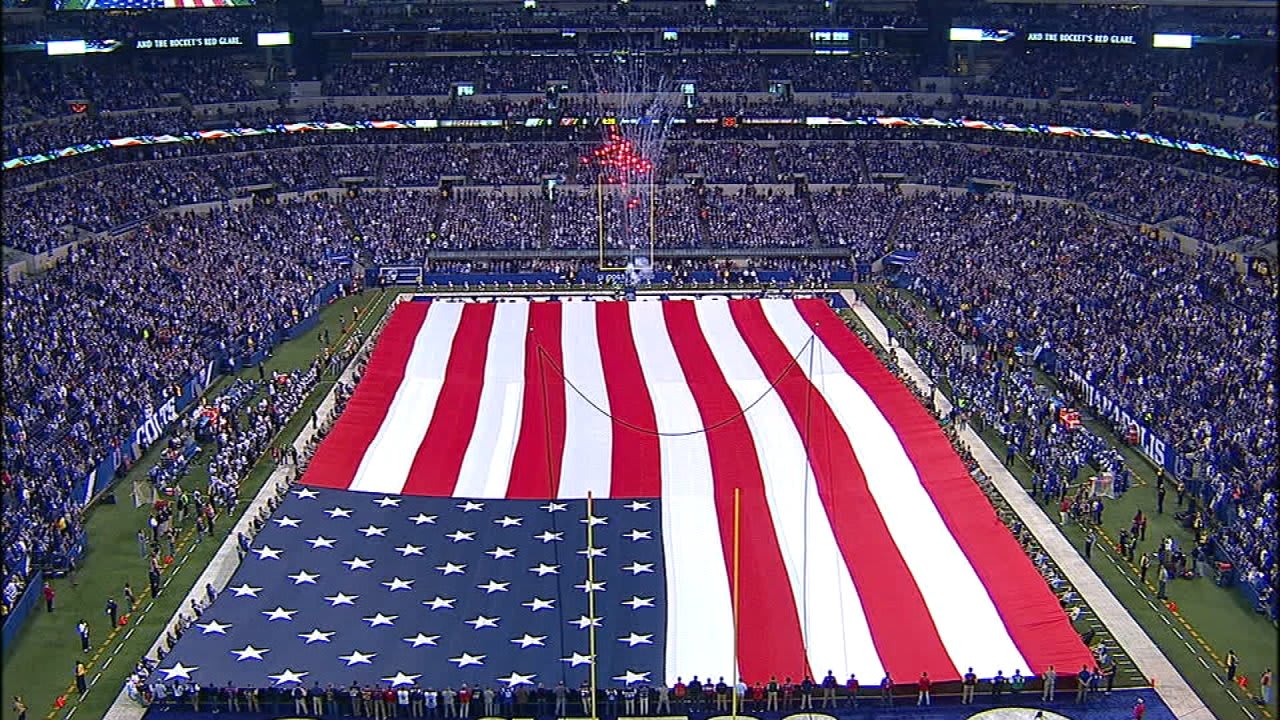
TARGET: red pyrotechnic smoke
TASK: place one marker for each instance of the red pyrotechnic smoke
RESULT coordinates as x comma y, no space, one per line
620,154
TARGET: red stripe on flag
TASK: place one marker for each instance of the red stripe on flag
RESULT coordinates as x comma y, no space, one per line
1031,612
636,463
767,601
901,626
535,469
439,457
339,455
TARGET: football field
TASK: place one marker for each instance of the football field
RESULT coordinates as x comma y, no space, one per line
1208,622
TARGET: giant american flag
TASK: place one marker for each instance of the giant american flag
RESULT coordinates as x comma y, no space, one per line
440,535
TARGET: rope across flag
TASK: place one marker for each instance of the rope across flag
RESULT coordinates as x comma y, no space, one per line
441,536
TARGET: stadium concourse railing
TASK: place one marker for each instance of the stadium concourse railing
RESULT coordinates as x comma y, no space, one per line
298,118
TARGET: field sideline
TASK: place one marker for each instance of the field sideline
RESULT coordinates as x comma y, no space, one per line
1210,620
40,665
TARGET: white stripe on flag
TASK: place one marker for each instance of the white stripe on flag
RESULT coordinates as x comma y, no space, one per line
963,613
699,609
836,633
588,438
386,462
486,466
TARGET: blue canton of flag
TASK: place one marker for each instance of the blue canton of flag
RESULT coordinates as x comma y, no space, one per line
343,587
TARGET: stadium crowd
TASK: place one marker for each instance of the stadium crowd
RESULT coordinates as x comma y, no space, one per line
1191,358
1213,208
183,291
102,338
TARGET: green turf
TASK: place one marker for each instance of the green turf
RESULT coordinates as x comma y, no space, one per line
1209,620
41,663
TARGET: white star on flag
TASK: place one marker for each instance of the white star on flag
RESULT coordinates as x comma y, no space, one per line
267,552
483,622
593,552
537,604
337,512
388,502
452,569
632,678
358,658
249,652
577,659
303,578
179,671
470,506
373,531
635,568
421,519
317,635
398,584
508,521
246,590
635,639
591,586
500,552
528,640
289,676
545,569
516,678
468,659
358,563
306,494
279,614
213,627
593,520
438,603
638,534
341,599
380,619
286,521
636,602
493,586
547,536
554,507
637,505
321,541
401,679
407,549
460,535
420,639
583,622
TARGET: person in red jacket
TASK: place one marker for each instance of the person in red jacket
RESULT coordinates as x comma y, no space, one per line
757,696
922,697
48,596
464,702
1139,710
851,687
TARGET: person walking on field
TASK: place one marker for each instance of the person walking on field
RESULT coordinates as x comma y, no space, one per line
49,595
1264,683
83,630
1231,663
